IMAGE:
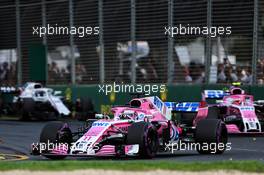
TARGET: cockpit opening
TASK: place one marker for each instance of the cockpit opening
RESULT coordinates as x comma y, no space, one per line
135,103
236,91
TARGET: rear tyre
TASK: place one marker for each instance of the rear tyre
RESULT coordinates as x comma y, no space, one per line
55,133
262,126
187,118
85,110
145,135
213,113
1,105
211,136
86,104
261,120
28,106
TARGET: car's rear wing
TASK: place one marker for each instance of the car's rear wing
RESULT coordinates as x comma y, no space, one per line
214,94
183,106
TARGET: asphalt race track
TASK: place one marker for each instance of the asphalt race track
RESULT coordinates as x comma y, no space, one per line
16,138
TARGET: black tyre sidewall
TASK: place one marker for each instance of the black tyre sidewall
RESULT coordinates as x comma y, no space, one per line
149,151
140,133
28,106
211,131
51,133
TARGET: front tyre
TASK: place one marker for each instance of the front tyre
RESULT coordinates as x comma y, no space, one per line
145,135
211,136
55,133
28,106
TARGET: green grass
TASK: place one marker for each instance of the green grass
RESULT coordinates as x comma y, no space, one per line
140,165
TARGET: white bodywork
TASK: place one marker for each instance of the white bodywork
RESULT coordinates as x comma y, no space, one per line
38,93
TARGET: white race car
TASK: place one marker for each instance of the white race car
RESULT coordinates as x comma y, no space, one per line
39,102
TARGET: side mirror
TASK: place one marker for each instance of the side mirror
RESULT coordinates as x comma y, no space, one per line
99,116
57,93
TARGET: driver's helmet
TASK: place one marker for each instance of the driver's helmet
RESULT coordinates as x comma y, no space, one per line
40,93
236,91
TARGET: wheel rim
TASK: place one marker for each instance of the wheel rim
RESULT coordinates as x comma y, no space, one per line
221,134
151,141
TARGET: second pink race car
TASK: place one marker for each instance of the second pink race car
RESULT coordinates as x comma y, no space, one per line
239,111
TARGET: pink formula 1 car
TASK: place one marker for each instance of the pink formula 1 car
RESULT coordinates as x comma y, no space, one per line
142,128
237,109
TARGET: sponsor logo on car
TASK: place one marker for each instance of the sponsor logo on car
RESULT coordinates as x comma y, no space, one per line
100,124
158,103
248,108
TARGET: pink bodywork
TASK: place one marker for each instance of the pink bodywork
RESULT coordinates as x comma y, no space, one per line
148,109
243,102
145,111
61,149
